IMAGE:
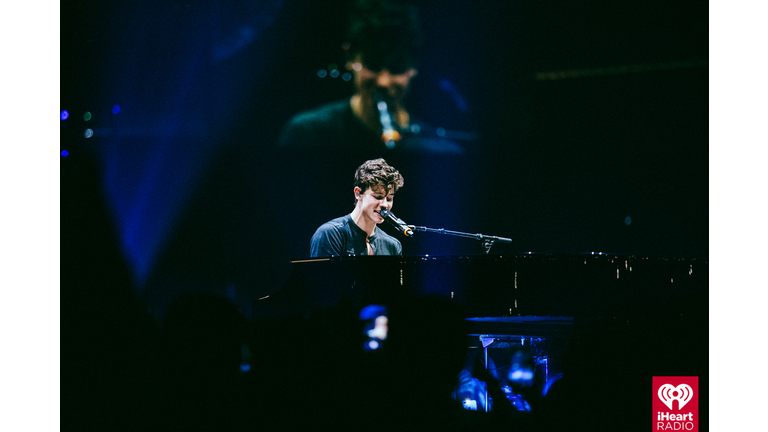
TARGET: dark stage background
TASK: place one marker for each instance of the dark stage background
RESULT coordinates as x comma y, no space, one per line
591,118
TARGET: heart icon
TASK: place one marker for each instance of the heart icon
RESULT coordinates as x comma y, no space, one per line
683,393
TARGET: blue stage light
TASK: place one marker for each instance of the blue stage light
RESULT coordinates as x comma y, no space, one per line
521,375
115,109
549,383
64,153
64,115
88,133
372,311
458,99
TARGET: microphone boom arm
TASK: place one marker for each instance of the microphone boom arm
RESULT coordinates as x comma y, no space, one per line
487,240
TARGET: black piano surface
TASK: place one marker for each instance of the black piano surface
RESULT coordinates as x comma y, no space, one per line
517,285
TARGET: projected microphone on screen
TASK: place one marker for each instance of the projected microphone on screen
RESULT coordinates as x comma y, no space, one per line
389,135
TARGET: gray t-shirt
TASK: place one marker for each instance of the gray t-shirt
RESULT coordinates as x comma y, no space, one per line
342,237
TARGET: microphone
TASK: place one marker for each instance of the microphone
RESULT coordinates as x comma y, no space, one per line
389,135
397,222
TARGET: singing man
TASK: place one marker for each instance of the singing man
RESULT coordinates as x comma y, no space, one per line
357,233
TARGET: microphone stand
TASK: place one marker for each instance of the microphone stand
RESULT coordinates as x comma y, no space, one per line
487,240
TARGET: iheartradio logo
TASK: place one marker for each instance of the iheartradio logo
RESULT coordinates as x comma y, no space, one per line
680,416
669,393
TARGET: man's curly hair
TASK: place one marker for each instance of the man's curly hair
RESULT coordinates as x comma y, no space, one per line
386,33
379,176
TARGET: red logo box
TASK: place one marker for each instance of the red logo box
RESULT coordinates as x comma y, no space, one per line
675,404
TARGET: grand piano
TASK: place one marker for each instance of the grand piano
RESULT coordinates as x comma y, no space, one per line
517,285
530,296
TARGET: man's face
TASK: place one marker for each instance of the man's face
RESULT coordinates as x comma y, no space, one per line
373,200
392,84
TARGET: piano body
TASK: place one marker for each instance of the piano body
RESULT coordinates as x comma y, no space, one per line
531,284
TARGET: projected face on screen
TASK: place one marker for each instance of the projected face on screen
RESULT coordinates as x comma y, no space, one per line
393,83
